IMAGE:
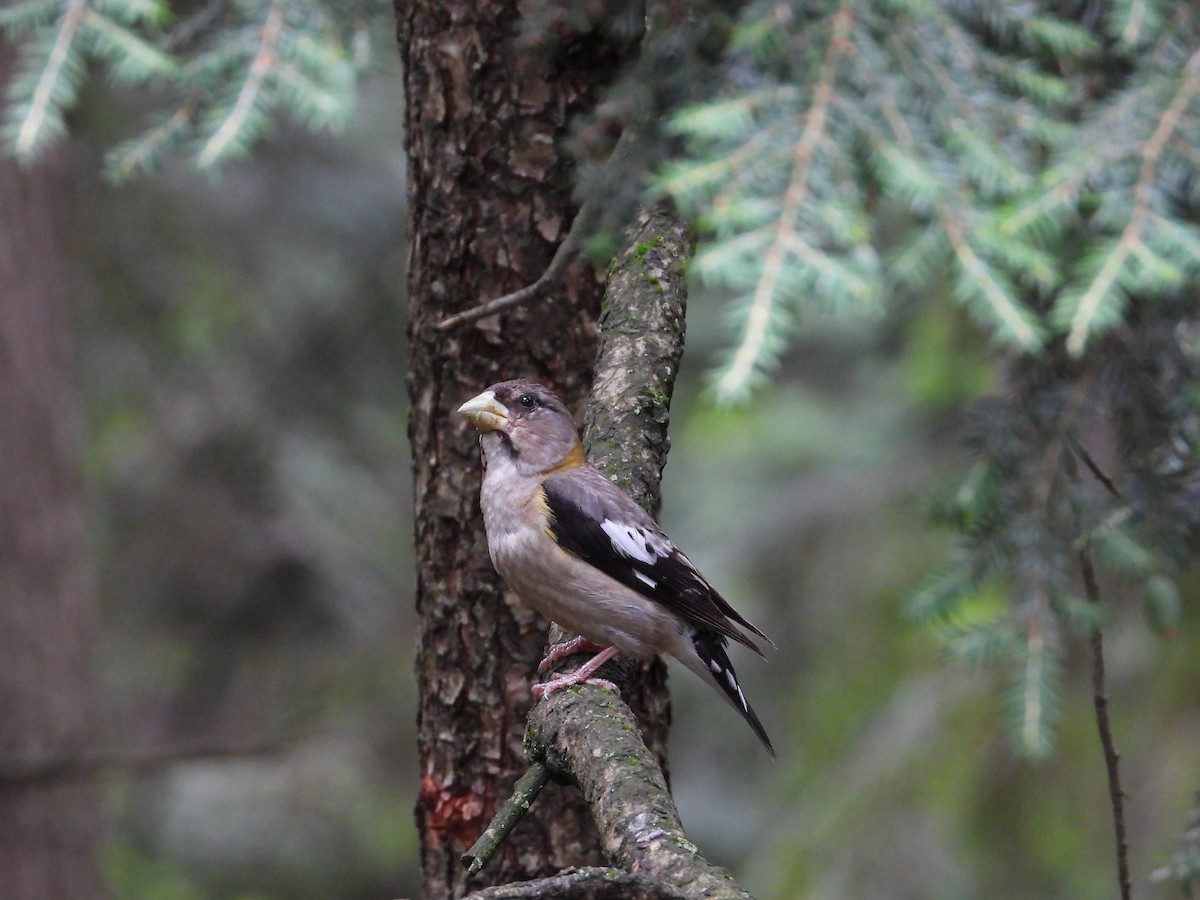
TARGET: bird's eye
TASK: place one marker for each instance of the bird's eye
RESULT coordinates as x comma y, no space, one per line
527,400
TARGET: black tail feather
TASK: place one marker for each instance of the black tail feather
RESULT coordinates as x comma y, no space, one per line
710,647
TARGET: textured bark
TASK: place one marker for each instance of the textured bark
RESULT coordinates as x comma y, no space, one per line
584,884
641,344
48,826
488,200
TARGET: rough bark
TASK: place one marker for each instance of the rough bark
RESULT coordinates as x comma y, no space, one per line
48,826
584,884
641,344
488,201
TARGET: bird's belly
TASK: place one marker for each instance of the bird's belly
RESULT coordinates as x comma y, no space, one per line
579,597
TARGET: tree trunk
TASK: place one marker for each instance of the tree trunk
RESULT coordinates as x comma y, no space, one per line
489,200
48,826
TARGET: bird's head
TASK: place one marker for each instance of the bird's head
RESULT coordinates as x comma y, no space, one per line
528,422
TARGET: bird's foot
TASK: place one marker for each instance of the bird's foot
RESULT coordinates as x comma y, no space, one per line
545,689
583,674
568,648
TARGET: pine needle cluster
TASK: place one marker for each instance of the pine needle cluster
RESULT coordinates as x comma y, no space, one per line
1037,162
1183,869
1039,151
228,71
1080,463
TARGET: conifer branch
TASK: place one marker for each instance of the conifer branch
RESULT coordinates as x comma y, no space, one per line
1033,679
1131,237
683,180
138,155
264,60
754,338
1063,192
42,102
128,55
1135,20
1068,178
1007,310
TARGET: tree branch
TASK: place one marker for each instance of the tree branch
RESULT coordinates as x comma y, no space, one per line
590,737
585,735
525,791
584,884
754,338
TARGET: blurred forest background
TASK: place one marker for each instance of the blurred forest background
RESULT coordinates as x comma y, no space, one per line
240,354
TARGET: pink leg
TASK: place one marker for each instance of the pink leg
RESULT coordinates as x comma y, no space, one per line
580,675
566,648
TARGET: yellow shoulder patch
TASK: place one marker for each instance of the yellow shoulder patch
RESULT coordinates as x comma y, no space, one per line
573,460
543,509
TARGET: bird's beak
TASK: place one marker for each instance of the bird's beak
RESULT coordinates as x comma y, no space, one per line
485,412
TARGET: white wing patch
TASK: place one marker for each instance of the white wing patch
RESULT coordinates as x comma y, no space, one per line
645,579
636,543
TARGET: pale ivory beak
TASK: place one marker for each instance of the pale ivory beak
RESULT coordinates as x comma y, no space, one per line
485,412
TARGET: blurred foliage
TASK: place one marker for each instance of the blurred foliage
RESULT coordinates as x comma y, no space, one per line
133,874
1184,867
1040,156
891,749
225,71
942,167
242,360
1033,171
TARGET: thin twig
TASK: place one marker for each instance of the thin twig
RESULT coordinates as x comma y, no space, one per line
590,213
1111,757
525,791
1098,473
547,281
133,761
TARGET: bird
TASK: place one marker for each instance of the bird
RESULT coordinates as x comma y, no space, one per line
580,551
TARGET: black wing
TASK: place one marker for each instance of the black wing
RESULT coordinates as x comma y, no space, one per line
596,521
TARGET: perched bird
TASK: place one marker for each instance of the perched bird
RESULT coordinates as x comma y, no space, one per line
581,552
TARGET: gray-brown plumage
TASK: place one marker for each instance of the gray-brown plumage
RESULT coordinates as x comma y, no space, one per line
582,553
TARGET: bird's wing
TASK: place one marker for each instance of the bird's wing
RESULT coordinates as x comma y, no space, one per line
598,522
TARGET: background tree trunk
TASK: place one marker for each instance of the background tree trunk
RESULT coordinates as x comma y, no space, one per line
489,200
48,827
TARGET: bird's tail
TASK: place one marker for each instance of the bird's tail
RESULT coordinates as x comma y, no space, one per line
713,665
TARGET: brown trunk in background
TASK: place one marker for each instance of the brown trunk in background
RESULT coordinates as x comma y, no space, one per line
489,200
48,825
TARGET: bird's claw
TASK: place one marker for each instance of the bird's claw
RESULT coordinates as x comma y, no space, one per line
568,648
554,685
